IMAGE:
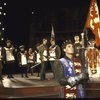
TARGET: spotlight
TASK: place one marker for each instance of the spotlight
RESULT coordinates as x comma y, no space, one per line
0,13
4,14
0,23
4,3
32,12
0,7
3,28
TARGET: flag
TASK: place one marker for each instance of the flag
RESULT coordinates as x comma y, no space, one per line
93,21
52,33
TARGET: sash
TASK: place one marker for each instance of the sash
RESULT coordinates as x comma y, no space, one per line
72,68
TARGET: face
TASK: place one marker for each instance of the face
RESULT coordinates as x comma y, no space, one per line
76,38
37,47
69,49
52,42
92,43
22,49
30,50
8,44
45,42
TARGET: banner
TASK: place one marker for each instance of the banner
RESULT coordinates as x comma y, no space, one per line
93,21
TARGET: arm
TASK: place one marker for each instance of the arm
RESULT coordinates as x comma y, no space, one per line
58,52
19,57
60,77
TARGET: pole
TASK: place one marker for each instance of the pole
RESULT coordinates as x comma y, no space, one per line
83,61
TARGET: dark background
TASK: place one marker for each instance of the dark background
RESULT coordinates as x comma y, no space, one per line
22,27
67,16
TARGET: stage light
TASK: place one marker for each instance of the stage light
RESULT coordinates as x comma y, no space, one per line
3,28
0,23
4,14
0,7
0,13
4,3
32,12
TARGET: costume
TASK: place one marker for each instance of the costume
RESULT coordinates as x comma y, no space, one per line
37,61
54,53
30,61
9,59
43,51
92,59
1,61
99,58
68,74
23,62
77,48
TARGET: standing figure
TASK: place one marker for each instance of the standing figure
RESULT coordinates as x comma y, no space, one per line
9,58
1,61
37,58
77,46
30,60
91,57
54,53
99,58
99,61
23,60
69,74
43,50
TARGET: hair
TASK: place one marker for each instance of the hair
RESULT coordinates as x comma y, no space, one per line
22,46
66,43
8,41
44,39
92,40
52,40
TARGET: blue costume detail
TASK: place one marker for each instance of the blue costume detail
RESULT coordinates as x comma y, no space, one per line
69,70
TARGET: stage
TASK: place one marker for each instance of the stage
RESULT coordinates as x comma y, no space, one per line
31,87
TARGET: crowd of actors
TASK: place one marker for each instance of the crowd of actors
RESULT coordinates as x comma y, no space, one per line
28,59
67,70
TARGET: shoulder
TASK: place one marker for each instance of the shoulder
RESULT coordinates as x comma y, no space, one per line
58,64
57,46
58,61
4,47
63,60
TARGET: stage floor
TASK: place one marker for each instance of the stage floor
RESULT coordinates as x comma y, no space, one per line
31,81
31,87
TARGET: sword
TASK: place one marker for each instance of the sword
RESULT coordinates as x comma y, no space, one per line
35,65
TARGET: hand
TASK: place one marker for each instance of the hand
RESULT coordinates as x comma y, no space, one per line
83,75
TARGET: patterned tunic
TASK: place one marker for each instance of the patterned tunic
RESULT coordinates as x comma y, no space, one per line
70,68
91,56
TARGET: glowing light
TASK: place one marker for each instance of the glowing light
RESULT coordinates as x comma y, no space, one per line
0,7
4,3
32,12
0,23
0,13
3,28
4,13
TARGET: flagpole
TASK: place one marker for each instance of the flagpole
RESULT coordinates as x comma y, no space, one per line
52,33
87,17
